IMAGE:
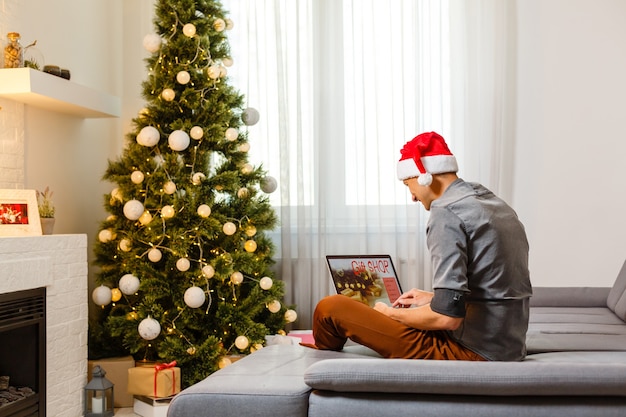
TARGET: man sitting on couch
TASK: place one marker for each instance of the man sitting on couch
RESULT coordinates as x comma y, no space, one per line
479,251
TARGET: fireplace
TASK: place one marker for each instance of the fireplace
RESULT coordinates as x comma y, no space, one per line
23,353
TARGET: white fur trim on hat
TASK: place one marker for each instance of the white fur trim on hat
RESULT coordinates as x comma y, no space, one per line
437,164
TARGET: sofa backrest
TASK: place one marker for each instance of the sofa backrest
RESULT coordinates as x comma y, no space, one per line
616,300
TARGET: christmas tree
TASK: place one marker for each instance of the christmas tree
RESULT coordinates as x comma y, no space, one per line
184,264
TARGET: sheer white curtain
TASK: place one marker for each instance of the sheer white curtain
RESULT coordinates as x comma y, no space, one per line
341,86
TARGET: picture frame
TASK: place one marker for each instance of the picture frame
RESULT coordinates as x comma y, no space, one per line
19,213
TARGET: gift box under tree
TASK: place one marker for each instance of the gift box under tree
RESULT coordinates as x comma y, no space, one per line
158,381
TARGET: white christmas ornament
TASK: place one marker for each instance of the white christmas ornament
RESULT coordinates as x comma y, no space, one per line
178,140
204,210
125,245
116,194
133,209
228,61
148,136
224,362
189,30
243,192
137,177
169,187
266,283
229,24
149,328
152,42
242,342
183,264
229,228
244,147
129,284
197,178
208,271
183,77
101,295
231,133
168,94
219,25
194,297
247,168
105,235
274,306
269,184
214,72
291,316
250,116
236,278
223,71
167,212
196,132
154,255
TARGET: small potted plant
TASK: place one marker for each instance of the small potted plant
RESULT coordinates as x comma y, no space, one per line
46,210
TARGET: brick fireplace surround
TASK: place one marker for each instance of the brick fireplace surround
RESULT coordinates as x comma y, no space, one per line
59,263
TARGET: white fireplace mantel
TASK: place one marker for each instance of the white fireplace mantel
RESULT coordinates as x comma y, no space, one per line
59,263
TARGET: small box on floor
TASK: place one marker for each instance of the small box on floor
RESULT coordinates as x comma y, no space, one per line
117,372
159,381
150,406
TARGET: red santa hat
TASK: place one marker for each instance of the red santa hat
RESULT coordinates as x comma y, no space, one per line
424,155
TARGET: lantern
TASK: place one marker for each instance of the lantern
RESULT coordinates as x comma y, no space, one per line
98,401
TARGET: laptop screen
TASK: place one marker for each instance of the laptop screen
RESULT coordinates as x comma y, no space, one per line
365,278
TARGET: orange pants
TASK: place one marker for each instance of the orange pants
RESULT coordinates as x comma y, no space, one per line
338,318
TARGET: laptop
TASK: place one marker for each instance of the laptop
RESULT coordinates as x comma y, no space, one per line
365,278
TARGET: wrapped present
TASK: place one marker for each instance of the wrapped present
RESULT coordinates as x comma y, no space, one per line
117,372
159,381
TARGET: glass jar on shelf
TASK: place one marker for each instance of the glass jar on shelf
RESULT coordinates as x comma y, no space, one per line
13,53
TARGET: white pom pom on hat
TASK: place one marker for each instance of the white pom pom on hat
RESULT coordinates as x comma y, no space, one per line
424,155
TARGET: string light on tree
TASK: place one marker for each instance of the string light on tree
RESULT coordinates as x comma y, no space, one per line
116,295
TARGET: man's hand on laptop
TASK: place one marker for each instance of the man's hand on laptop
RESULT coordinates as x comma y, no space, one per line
413,297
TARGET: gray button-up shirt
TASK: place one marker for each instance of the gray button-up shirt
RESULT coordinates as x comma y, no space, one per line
479,247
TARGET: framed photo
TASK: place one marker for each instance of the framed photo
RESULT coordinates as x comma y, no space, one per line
19,214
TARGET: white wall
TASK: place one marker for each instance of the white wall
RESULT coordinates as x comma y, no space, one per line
569,186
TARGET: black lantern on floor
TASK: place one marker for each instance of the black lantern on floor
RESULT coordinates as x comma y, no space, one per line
99,395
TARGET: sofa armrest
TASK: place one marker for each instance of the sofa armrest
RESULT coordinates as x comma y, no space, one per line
416,376
569,296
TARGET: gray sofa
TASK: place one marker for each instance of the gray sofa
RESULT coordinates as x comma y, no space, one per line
576,366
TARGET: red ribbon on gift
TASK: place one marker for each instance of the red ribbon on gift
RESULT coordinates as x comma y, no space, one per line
161,366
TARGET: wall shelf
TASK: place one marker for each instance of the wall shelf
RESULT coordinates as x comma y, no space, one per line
46,91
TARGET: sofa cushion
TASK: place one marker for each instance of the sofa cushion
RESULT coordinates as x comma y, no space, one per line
267,382
526,378
616,299
569,296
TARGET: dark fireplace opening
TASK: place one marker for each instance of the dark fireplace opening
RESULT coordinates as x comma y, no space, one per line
23,353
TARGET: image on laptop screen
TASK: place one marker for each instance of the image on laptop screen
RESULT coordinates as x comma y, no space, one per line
365,278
